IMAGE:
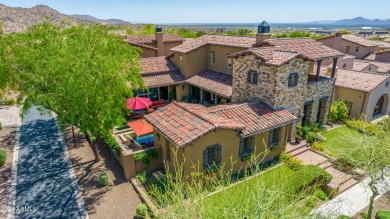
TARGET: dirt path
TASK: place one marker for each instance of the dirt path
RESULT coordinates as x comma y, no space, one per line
119,200
7,143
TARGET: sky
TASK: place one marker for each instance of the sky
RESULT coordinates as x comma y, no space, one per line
216,11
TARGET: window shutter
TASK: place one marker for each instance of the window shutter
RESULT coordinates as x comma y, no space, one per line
280,130
252,144
205,159
255,77
296,79
241,146
289,80
249,77
219,154
270,137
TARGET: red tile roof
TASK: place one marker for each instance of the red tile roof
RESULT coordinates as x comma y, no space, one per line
213,81
163,79
221,40
306,47
383,67
270,55
141,127
157,65
361,81
184,123
359,40
150,38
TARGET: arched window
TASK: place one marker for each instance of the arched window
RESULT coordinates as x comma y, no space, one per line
379,106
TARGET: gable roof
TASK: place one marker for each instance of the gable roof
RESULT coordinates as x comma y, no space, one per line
220,40
307,48
150,38
184,123
160,71
383,67
360,81
157,65
269,55
359,40
213,81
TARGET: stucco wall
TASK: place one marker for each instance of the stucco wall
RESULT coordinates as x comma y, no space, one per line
170,45
221,53
374,97
342,46
192,63
357,98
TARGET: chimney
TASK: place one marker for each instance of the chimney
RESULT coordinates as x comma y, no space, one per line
159,36
263,32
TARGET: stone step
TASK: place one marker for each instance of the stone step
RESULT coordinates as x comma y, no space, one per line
291,149
325,164
347,184
299,151
338,176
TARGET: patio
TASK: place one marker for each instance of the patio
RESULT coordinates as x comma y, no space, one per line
135,135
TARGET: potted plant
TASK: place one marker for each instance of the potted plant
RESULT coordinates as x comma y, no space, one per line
172,96
298,136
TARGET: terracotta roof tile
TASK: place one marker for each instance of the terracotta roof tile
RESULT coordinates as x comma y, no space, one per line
221,40
383,67
270,55
163,79
157,65
306,47
359,40
216,82
183,123
150,38
361,81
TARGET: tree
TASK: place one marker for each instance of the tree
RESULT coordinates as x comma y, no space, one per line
148,29
338,111
82,73
370,154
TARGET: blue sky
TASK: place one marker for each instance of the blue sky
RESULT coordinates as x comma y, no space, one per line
216,11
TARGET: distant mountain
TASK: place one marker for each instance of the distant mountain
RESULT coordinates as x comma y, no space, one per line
360,21
97,20
17,19
322,22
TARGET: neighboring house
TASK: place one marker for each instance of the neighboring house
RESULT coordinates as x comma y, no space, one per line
207,138
155,45
364,92
349,62
383,56
354,45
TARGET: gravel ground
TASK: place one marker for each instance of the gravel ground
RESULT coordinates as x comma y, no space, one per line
7,143
382,203
119,199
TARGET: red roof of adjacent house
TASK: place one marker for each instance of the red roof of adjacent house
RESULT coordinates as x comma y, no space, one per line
159,71
184,123
213,81
306,47
221,40
150,38
269,55
383,67
157,65
141,127
357,80
359,40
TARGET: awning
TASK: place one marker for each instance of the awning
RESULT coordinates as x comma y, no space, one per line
141,127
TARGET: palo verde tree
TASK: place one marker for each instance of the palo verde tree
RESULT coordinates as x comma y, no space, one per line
82,73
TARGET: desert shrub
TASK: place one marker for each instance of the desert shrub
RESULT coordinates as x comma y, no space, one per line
344,217
3,157
103,179
142,210
382,214
311,202
319,193
363,215
311,137
283,157
142,177
362,126
9,102
290,161
338,111
307,176
305,131
317,146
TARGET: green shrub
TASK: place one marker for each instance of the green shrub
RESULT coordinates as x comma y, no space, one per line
307,176
311,137
299,133
382,214
142,210
338,111
363,215
317,127
319,193
317,146
361,126
311,202
103,179
305,131
294,164
1,126
9,102
344,217
142,177
283,157
3,157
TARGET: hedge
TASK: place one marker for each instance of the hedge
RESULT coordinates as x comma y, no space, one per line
381,214
307,176
361,126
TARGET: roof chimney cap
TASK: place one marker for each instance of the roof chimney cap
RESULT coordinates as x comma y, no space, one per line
263,27
158,29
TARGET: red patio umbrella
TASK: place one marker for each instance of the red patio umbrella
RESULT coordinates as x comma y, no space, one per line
138,103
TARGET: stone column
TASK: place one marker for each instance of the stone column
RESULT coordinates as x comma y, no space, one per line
324,111
334,67
318,69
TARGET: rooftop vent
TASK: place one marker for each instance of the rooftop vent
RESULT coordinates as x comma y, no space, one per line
263,27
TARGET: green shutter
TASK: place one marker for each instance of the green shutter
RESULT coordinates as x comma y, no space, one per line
255,77
289,80
249,74
242,140
252,144
219,154
270,137
205,159
280,130
296,79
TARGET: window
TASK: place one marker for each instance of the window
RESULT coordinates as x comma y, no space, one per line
293,79
345,65
247,147
168,151
212,157
347,49
212,58
229,62
252,77
181,58
349,107
357,49
369,68
275,136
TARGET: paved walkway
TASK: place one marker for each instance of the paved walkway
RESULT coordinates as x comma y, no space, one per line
9,115
45,183
352,201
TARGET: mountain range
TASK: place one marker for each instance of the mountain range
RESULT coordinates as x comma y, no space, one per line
360,21
97,20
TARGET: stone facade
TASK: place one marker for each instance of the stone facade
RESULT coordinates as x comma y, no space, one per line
272,87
